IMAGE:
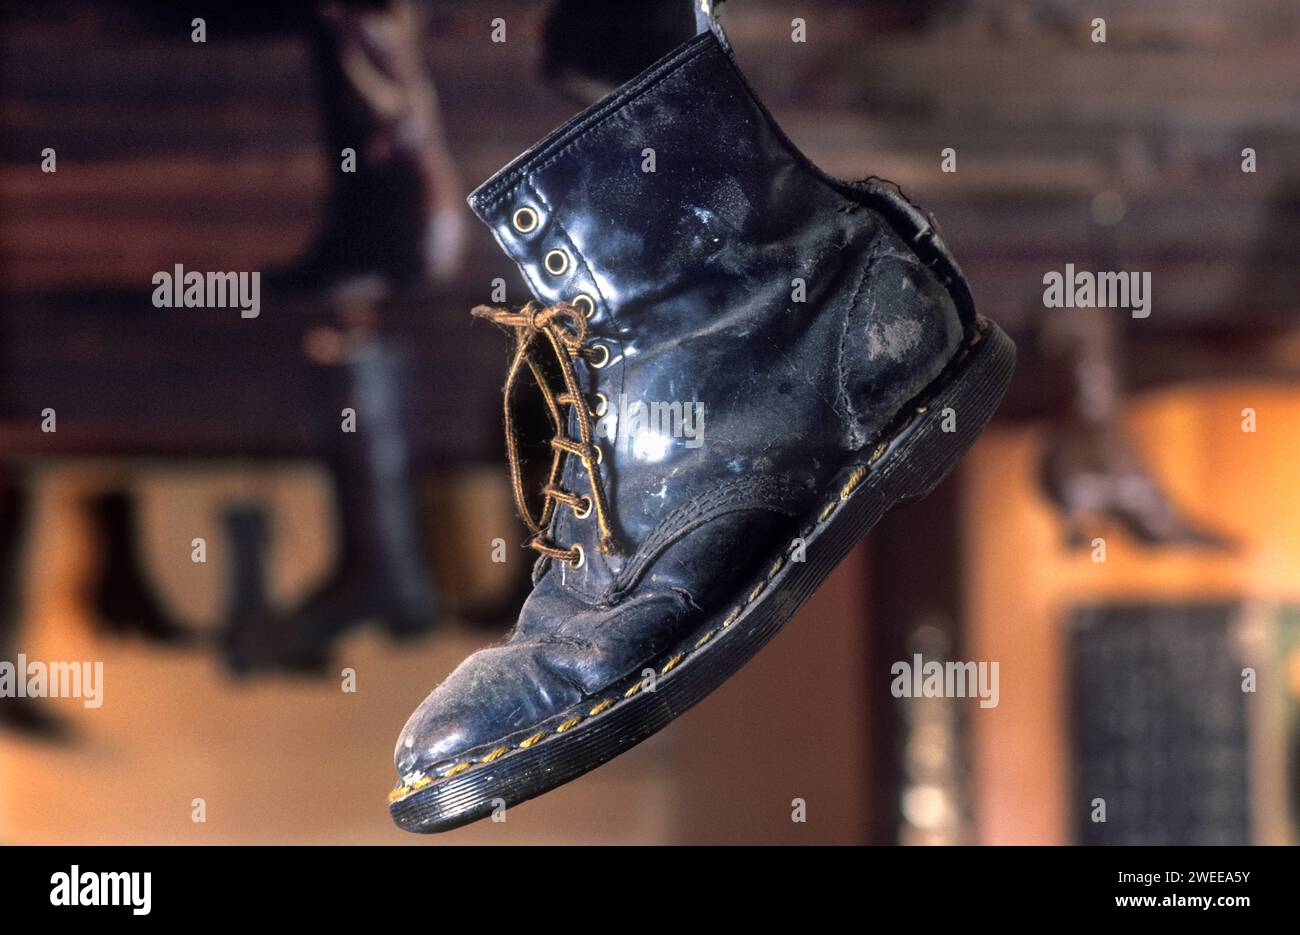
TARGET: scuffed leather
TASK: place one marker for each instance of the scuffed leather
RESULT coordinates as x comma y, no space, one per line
693,269
887,352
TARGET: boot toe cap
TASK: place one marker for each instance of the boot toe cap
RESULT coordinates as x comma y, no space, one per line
557,657
492,694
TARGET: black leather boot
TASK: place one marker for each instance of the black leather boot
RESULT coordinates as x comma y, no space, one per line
383,568
382,572
28,716
827,335
123,597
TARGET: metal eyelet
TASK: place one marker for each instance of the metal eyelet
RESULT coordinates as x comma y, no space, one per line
556,262
600,455
580,560
586,511
601,358
585,304
602,405
525,220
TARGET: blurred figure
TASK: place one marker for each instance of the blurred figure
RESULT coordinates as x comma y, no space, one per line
398,217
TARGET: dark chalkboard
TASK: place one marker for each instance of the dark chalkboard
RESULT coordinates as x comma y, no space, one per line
1159,723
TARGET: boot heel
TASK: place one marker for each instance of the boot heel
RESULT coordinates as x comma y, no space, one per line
950,417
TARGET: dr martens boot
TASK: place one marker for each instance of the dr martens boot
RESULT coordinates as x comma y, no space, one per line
746,363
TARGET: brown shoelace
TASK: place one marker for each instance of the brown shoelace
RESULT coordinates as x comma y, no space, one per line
567,341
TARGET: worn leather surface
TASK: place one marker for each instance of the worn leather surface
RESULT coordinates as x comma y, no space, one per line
695,269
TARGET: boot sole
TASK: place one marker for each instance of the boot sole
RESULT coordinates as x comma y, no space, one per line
913,457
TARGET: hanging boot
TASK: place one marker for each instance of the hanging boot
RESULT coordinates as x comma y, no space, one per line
255,637
124,599
382,571
818,346
29,716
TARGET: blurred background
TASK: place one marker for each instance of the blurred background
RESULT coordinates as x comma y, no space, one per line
272,588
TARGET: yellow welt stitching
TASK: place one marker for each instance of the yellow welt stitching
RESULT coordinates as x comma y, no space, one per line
757,591
457,770
706,637
600,707
402,792
830,508
672,663
851,484
529,741
880,450
496,754
775,568
567,724
632,691
731,618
